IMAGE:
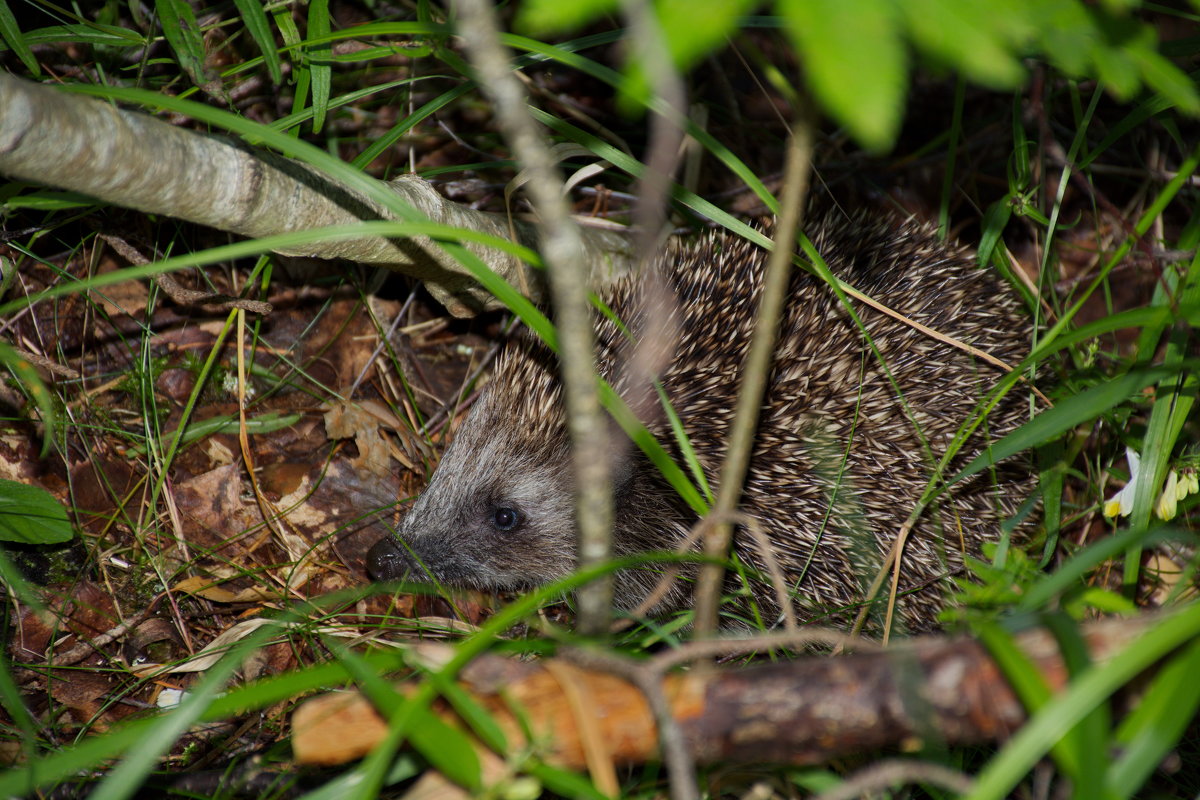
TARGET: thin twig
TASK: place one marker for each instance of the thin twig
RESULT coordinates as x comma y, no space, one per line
562,248
181,295
754,376
872,780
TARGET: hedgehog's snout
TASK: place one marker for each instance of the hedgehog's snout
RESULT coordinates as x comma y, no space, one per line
386,560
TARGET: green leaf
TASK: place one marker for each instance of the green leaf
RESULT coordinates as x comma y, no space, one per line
1067,35
1154,727
11,33
855,62
1166,79
693,28
555,16
448,749
967,37
86,34
1173,402
319,60
183,34
126,778
689,29
31,515
1084,694
46,200
31,383
255,20
1116,70
994,221
1064,416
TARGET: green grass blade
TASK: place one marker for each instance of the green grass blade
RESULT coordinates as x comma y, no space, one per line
183,35
1052,722
255,20
1154,727
127,777
1085,406
10,31
319,61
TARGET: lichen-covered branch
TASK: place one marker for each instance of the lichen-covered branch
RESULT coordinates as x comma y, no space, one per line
54,138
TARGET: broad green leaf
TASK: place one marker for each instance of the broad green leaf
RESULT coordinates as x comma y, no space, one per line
31,515
555,16
855,62
965,36
1066,34
693,28
1165,78
1116,69
690,29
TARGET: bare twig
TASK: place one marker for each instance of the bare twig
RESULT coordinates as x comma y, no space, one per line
879,776
754,376
563,250
180,294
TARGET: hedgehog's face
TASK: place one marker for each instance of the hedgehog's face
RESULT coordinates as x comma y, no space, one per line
498,513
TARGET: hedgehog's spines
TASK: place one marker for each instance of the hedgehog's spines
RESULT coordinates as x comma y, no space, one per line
838,463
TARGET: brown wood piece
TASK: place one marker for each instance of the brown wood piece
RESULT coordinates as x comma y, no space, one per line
803,711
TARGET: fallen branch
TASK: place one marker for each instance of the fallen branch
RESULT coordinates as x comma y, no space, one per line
805,711
55,138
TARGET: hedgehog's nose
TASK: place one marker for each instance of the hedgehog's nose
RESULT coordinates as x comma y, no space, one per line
385,561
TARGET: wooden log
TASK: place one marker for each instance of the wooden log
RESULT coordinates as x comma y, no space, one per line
804,711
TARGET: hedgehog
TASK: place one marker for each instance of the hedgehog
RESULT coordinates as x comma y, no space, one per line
845,445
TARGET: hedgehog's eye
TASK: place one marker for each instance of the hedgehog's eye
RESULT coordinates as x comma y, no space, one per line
505,519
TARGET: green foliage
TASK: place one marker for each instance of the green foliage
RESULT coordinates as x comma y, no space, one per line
30,515
854,52
10,32
855,60
1074,725
255,20
182,31
29,382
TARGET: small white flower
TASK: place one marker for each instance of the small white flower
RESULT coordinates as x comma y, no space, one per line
1121,503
